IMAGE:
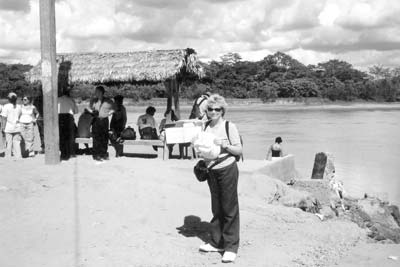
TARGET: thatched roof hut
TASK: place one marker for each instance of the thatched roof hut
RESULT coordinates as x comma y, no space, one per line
144,66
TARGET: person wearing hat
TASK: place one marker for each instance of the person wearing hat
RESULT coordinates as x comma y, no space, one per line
11,126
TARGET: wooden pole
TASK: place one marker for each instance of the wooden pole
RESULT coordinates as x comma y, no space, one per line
175,91
49,80
167,85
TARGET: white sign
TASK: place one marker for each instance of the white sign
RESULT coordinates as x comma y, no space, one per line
184,134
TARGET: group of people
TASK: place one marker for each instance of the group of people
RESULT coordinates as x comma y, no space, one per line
93,122
17,126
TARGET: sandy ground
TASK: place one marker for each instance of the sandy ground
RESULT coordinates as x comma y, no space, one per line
135,211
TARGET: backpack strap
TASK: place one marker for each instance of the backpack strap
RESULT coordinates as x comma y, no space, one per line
204,98
207,123
227,134
227,131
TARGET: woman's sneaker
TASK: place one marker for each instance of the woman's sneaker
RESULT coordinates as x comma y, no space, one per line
209,248
228,257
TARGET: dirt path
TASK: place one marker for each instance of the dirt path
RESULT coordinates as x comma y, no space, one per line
147,212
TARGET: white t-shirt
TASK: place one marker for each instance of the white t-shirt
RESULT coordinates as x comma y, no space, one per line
27,114
219,132
11,114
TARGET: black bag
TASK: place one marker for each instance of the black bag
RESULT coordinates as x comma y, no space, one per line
201,171
148,133
112,135
128,134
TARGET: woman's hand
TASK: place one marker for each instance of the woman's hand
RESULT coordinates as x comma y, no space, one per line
221,142
225,143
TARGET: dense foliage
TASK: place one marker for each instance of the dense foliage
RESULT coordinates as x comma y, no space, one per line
276,76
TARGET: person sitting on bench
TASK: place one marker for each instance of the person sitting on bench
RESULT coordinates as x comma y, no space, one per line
147,124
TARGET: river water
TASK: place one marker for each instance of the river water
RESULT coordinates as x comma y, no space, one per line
364,141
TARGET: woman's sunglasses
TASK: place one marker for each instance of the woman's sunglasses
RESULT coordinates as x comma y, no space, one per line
25,99
215,109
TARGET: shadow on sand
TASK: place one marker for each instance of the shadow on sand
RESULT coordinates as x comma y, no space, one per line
140,155
194,227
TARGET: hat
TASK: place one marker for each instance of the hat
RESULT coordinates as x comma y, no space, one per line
12,95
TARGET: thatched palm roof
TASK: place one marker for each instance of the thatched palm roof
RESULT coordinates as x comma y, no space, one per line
146,66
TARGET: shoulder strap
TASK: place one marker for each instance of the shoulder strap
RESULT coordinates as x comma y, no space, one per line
202,100
227,131
207,123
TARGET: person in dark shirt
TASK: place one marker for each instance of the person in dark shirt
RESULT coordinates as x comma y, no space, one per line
118,123
275,150
38,103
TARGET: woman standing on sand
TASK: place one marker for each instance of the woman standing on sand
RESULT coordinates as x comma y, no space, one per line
223,181
28,118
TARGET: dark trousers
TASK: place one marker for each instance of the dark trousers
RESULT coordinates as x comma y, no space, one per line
67,135
40,126
119,148
100,137
225,208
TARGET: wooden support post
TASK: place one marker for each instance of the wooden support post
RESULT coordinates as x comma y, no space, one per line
49,80
175,91
167,85
172,89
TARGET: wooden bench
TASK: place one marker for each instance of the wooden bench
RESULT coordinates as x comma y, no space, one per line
161,146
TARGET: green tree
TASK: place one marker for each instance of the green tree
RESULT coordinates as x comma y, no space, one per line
230,59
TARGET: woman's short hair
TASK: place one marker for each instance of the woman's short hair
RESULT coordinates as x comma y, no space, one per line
218,100
278,140
150,110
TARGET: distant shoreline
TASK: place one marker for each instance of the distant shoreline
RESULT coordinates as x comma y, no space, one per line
282,103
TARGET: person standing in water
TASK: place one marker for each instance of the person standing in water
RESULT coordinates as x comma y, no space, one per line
275,150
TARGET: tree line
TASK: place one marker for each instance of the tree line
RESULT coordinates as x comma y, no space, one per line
276,76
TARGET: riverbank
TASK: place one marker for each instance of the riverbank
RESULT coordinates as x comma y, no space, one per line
126,212
255,103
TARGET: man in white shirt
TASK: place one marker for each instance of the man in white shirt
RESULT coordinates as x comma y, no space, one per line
10,116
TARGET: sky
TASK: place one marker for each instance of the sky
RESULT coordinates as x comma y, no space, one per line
361,32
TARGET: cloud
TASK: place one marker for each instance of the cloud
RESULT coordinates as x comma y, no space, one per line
15,5
309,29
360,15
